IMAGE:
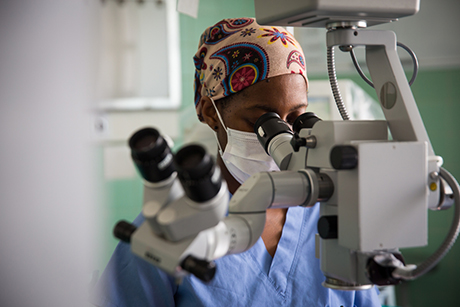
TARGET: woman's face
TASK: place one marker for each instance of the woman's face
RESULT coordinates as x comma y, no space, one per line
285,95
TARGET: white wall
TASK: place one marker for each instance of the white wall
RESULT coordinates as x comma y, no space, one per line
432,33
139,64
47,217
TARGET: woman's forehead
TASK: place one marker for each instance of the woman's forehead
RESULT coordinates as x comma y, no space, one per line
289,90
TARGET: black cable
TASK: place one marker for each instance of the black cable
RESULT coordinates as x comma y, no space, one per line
448,242
358,68
414,60
411,53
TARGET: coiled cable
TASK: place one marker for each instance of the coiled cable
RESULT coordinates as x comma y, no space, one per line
334,84
434,259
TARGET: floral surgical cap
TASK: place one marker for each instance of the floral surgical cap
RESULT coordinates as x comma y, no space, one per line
236,53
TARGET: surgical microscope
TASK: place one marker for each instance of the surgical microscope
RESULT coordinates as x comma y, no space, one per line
374,180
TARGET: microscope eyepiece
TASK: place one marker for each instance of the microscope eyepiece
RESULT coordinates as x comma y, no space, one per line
305,120
268,126
151,155
145,142
200,177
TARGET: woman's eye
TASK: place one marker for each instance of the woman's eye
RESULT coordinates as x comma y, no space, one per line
291,119
290,122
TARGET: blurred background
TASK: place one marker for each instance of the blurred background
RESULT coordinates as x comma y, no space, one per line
77,78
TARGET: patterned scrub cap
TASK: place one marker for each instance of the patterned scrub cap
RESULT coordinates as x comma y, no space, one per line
236,53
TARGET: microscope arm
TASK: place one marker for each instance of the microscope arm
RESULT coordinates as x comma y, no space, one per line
393,91
245,222
237,232
390,83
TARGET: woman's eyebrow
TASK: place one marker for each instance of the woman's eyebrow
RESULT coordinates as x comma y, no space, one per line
263,108
299,106
270,109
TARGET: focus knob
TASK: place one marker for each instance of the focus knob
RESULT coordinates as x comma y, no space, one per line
204,270
328,227
123,231
344,157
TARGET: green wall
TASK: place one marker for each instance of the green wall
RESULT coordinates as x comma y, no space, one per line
437,94
119,199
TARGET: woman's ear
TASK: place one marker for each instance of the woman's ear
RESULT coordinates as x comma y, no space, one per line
208,112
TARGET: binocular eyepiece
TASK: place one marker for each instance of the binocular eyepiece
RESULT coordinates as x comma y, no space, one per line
197,172
277,138
305,121
269,125
151,155
196,169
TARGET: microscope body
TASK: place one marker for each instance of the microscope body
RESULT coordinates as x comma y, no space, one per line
380,198
380,192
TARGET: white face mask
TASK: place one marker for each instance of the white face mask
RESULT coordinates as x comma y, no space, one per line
244,156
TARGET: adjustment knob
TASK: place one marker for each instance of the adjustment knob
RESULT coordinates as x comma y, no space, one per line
328,227
380,268
297,142
344,157
202,269
124,230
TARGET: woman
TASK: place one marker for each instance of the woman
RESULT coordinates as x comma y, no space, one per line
243,70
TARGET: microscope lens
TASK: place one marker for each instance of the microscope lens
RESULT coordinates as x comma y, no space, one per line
151,155
145,142
306,120
268,126
196,171
192,160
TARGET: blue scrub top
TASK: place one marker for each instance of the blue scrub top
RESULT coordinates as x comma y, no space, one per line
253,278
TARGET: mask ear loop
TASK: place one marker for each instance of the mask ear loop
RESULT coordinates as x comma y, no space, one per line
223,125
218,114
